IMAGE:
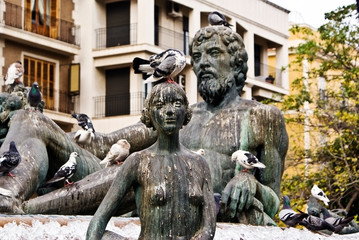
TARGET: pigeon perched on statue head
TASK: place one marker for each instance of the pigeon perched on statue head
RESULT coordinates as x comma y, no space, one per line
161,67
319,194
10,160
118,153
217,18
288,216
338,222
83,121
14,73
66,171
34,96
246,159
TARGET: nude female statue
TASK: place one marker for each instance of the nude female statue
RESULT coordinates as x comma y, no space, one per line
172,184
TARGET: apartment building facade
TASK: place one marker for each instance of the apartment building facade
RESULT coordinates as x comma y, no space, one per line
81,52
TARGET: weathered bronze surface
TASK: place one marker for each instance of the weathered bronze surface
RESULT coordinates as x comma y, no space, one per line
222,124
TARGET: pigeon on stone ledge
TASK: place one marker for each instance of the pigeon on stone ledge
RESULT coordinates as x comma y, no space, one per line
217,18
10,160
246,159
66,171
338,222
288,216
118,153
161,67
315,224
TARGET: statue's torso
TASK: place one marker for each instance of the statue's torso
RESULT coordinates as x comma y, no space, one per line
219,134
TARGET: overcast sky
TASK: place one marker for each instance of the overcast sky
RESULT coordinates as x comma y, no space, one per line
310,12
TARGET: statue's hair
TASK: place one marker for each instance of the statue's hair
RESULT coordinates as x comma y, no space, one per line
235,48
146,118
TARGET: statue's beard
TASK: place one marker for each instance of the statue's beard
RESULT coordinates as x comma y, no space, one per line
213,91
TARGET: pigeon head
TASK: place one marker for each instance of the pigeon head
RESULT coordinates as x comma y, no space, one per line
74,155
286,202
124,143
319,194
12,147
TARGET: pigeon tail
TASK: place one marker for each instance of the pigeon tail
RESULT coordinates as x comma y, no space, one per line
137,63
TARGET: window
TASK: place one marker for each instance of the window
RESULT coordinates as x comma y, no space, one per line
43,73
41,17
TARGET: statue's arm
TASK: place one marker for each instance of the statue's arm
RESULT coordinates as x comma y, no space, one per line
208,224
123,181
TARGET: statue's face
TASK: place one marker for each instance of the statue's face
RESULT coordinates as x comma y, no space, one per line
211,64
168,111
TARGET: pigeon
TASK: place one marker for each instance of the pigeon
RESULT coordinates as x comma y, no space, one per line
314,224
118,153
288,216
319,194
339,223
34,96
10,160
66,171
217,200
200,152
246,159
217,18
84,137
14,73
83,121
161,67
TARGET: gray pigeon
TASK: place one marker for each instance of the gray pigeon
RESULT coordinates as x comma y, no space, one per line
315,224
161,67
14,73
338,222
34,96
288,216
10,160
217,18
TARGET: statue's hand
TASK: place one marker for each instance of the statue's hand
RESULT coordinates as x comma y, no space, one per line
238,195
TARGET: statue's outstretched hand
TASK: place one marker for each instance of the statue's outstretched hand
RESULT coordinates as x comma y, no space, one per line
238,195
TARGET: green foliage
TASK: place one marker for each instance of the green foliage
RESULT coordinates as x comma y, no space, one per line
332,55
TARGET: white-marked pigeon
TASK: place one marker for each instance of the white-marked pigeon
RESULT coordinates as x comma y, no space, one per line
66,171
10,160
315,224
34,96
14,73
319,194
288,216
246,159
84,137
217,18
118,153
338,222
200,152
160,67
84,121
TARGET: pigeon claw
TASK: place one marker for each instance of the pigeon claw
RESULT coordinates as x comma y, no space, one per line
245,170
11,175
119,163
68,183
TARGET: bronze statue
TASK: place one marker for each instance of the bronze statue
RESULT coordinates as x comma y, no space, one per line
220,125
172,184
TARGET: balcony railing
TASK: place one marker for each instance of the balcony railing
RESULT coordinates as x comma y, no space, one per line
119,104
266,70
166,38
116,36
59,101
21,18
